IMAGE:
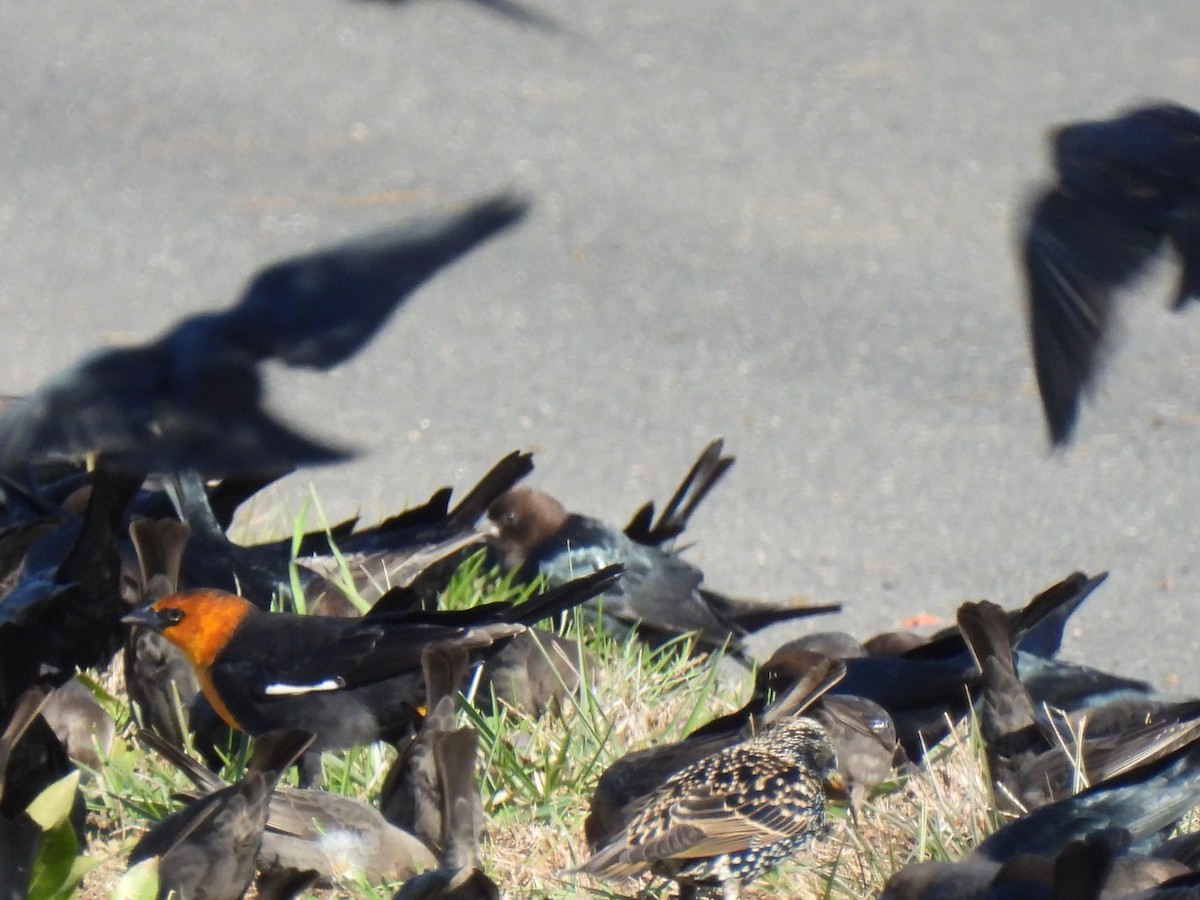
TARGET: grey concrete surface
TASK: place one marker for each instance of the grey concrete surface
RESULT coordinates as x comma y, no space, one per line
790,224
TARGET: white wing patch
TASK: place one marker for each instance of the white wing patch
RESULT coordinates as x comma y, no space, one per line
291,690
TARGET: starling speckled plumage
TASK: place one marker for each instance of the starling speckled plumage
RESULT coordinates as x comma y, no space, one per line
797,679
724,820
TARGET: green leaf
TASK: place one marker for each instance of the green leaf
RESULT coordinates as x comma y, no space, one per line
53,805
54,863
140,882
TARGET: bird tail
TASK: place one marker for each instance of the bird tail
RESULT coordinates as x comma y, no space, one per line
197,773
276,752
1039,626
159,545
567,596
454,754
750,615
700,479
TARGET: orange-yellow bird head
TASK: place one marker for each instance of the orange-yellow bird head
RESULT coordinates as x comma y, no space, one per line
198,622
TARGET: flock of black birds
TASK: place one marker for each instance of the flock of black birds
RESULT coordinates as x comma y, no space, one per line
119,479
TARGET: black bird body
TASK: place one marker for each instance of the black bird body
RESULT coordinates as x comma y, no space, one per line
1126,187
1145,801
923,685
348,681
193,397
1034,759
661,593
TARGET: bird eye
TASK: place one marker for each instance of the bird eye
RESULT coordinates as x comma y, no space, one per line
172,616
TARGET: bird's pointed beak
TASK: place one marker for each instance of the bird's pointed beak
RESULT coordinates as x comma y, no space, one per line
146,617
486,529
836,787
838,790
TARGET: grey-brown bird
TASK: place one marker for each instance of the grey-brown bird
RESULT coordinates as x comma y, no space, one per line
158,677
728,818
337,837
81,723
534,672
411,796
208,849
461,876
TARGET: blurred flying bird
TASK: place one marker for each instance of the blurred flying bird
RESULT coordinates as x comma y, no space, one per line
193,398
1127,187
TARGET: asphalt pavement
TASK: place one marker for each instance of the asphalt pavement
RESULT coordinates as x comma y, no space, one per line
788,224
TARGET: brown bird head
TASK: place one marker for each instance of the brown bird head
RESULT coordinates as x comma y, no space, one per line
525,518
198,622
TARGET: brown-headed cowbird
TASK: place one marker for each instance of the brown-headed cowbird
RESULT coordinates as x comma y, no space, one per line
661,593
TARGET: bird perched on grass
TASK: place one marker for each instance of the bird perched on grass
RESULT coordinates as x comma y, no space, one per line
782,690
193,397
1031,759
1127,186
348,681
662,594
209,848
726,819
331,834
461,875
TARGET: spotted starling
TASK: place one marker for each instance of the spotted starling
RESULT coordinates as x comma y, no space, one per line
797,679
726,819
